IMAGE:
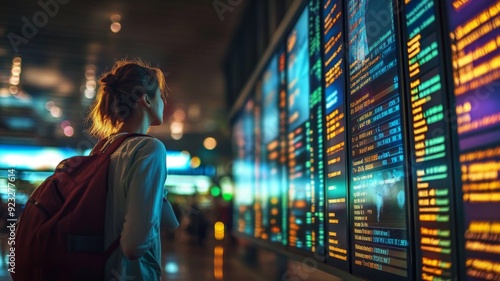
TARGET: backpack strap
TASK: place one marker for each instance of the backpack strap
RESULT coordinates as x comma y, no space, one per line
112,247
111,144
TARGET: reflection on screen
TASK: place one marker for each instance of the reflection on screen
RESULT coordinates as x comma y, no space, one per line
474,33
377,181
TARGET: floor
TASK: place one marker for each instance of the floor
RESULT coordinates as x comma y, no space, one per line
185,260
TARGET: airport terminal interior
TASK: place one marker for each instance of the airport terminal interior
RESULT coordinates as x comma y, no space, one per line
306,139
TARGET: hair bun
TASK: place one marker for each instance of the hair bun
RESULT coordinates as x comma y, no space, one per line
110,82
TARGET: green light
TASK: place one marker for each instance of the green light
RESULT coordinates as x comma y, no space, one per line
215,191
227,196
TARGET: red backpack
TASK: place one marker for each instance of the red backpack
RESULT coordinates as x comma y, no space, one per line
60,234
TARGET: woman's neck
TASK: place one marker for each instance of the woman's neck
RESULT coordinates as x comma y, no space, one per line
134,126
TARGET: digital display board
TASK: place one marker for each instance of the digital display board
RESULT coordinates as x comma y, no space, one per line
378,189
299,194
260,189
335,124
475,61
315,134
283,160
430,143
271,184
243,170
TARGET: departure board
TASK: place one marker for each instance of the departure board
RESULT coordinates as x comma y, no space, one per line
475,61
270,170
243,166
283,161
335,123
378,189
315,134
260,189
430,143
300,196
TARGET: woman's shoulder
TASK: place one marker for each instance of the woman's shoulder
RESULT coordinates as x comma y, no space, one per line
144,144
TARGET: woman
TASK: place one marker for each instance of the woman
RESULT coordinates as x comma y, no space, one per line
131,98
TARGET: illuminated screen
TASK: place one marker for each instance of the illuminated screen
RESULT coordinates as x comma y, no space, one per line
260,191
243,170
283,161
300,195
315,135
476,72
335,122
430,143
270,168
378,189
34,158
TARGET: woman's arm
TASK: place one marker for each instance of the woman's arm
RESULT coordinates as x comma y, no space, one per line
168,220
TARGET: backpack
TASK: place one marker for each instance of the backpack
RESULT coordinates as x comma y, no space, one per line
60,234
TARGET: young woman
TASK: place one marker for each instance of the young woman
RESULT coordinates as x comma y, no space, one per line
131,98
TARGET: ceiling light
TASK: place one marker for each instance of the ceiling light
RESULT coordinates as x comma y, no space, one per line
14,90
209,143
56,111
116,27
89,93
176,136
115,17
68,131
179,115
176,127
49,105
195,162
16,61
90,85
90,74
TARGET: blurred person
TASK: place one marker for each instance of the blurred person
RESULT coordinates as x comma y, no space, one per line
198,224
131,98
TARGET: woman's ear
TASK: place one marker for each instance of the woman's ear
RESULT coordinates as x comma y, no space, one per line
146,101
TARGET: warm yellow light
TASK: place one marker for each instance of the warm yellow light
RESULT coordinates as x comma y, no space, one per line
116,27
179,115
16,70
115,17
14,90
209,143
56,111
176,127
176,136
219,230
90,74
89,93
91,85
14,80
16,61
195,162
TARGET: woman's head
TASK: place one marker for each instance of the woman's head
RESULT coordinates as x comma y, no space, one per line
131,90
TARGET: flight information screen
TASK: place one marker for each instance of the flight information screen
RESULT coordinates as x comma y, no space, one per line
429,142
300,191
474,34
270,168
335,124
378,189
315,134
243,170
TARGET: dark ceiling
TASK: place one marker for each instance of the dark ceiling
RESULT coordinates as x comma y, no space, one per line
187,39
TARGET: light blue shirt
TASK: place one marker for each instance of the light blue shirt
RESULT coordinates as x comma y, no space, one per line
136,178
